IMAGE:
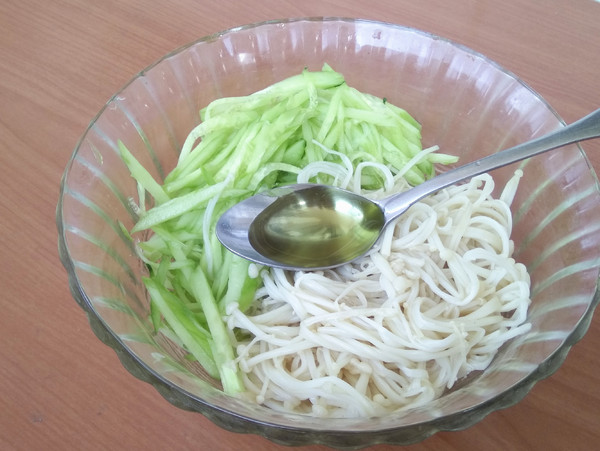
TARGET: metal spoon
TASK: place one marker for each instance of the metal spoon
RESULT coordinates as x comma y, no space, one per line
317,226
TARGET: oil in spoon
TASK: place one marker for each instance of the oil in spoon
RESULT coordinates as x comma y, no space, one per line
316,224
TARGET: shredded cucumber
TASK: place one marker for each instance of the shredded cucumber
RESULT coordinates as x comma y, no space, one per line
241,146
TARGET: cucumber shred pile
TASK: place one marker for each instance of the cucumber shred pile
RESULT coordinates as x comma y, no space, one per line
244,145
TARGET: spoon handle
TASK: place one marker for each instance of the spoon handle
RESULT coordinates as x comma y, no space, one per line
587,127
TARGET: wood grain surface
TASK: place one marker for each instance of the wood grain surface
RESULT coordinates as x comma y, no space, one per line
61,60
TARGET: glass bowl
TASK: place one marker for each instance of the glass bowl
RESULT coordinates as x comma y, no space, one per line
467,104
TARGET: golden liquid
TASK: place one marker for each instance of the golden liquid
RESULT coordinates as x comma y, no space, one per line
317,231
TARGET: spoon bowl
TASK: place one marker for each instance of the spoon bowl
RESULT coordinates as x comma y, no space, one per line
317,226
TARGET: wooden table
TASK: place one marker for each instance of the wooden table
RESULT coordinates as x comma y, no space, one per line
60,388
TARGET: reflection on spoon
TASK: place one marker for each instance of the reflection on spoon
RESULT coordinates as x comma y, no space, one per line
316,226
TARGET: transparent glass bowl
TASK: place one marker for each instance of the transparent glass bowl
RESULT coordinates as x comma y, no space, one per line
467,104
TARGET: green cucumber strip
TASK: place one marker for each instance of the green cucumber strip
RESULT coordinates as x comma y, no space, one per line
236,286
183,324
143,177
176,207
222,348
